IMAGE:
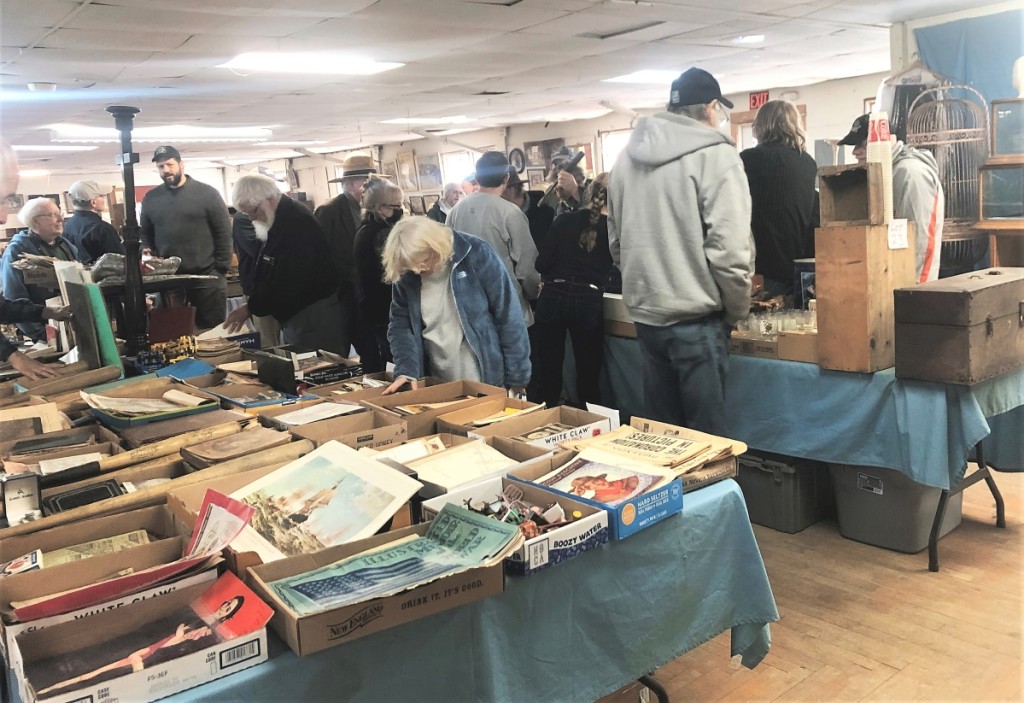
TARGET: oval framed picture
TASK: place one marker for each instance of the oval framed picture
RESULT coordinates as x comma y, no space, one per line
517,160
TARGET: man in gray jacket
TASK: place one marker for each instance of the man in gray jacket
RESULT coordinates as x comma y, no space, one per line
679,229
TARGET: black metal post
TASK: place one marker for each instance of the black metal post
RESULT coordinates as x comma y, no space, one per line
135,336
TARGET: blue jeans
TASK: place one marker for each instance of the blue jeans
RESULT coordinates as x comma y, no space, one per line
684,373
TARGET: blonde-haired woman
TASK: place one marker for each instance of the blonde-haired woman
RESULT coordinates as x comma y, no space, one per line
454,311
784,202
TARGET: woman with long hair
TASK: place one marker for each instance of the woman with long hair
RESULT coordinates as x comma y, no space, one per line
784,203
382,208
575,262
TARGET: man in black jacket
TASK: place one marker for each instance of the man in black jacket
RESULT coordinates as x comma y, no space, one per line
340,219
295,280
86,229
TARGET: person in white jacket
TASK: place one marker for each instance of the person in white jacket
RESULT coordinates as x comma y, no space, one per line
916,195
679,229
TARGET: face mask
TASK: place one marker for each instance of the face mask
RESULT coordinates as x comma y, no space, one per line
396,215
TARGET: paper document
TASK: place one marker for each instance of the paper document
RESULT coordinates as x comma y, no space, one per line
315,413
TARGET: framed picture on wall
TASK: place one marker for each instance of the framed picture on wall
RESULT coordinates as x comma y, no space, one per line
15,202
389,170
69,205
52,196
428,168
535,177
429,200
416,205
869,105
587,164
538,154
407,178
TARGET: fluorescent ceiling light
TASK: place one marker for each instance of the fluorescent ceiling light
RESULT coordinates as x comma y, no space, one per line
308,62
297,142
169,134
456,119
51,147
659,77
34,172
748,39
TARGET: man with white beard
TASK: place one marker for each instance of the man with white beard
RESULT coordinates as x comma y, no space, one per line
247,248
294,279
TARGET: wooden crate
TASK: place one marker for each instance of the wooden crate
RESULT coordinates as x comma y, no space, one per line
962,329
851,195
856,273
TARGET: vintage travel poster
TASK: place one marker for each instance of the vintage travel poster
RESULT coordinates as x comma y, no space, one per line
330,496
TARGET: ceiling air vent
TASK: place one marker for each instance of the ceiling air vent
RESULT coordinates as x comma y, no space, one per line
492,92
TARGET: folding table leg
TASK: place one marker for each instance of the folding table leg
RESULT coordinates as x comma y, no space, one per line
983,472
652,683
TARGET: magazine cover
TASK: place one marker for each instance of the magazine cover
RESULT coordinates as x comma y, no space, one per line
330,496
604,483
228,609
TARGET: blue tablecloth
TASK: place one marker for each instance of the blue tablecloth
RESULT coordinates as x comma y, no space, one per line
924,430
574,632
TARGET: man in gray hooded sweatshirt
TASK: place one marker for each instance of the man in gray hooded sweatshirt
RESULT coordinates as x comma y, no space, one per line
679,229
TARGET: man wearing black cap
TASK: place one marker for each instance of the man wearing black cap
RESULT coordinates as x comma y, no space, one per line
916,194
679,228
188,219
340,219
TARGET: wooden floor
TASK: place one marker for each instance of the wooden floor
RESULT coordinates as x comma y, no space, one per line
861,623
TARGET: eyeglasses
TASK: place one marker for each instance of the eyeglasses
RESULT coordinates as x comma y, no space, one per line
51,216
394,207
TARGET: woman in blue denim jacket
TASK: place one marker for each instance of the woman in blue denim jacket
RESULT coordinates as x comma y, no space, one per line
454,311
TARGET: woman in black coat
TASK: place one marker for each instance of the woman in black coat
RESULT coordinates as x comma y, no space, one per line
382,208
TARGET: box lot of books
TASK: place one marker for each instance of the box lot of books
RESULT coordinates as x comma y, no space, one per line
548,428
421,407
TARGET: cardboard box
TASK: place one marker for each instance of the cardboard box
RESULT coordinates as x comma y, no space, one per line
313,633
97,434
582,422
617,320
553,547
798,346
239,396
374,429
269,415
169,467
625,519
156,389
424,423
751,346
152,682
522,453
461,421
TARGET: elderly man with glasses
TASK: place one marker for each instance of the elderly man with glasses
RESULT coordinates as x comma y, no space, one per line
44,224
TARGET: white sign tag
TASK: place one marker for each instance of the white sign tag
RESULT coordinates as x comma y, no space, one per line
898,234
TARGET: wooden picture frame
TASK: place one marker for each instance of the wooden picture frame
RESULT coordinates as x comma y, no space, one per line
429,201
55,197
535,178
428,171
69,205
408,179
538,154
416,205
869,105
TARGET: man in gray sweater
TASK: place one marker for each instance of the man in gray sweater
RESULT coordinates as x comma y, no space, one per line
188,219
679,228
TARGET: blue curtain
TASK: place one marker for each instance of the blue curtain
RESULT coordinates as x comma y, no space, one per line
978,52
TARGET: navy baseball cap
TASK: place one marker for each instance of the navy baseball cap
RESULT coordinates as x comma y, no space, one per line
163,153
858,131
695,86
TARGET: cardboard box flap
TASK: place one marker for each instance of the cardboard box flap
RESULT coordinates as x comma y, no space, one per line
71,636
34,584
156,520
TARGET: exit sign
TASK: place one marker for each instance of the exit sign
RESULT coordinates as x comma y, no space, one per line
758,99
